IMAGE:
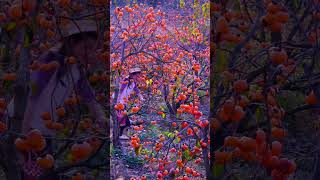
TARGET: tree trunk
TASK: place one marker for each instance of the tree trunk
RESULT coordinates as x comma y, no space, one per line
13,170
115,131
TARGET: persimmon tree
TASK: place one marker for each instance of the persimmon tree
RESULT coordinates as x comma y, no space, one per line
173,52
262,51
28,29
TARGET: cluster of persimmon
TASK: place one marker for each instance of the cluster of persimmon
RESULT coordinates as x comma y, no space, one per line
276,114
163,172
50,124
230,111
196,67
17,10
276,17
44,67
225,33
135,141
160,175
95,78
119,106
190,109
257,150
11,76
34,141
193,152
62,120
278,56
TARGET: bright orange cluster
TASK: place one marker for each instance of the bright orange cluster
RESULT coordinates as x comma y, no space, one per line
231,111
256,150
191,109
33,141
276,17
135,140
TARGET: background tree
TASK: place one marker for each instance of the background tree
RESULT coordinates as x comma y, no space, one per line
29,28
264,78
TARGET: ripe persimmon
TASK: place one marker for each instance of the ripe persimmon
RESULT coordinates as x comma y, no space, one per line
260,136
231,141
3,103
28,5
45,116
57,126
35,140
222,25
237,114
3,127
228,106
15,11
119,106
286,166
71,60
278,133
174,124
225,117
184,124
311,99
46,162
22,145
247,144
77,176
221,157
3,17
61,112
273,8
248,156
278,56
48,124
240,86
135,109
81,151
276,27
282,17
